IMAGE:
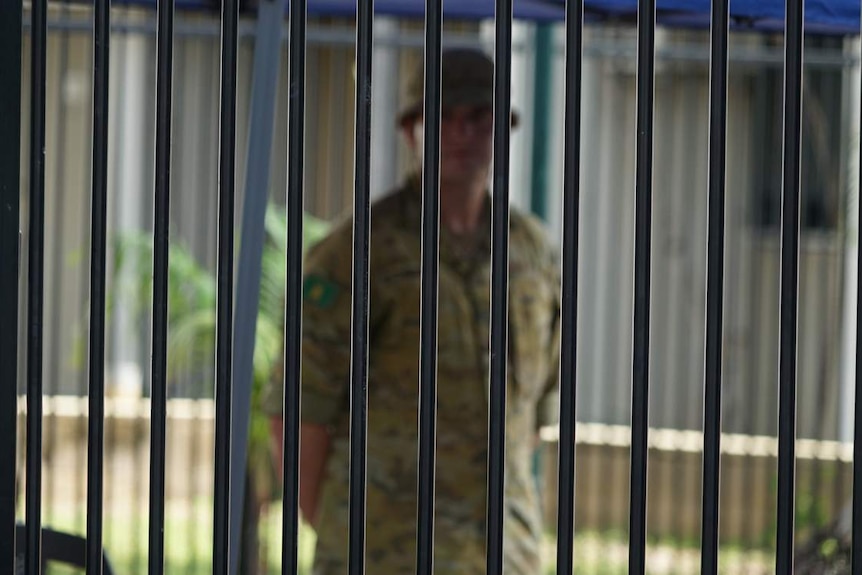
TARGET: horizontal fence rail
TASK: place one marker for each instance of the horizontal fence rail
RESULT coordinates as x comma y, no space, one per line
639,438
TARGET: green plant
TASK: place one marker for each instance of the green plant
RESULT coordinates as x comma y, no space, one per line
810,515
192,311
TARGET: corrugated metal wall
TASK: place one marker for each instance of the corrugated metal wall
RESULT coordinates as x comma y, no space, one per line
607,221
607,208
194,175
679,246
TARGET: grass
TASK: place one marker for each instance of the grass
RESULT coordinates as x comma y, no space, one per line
188,538
607,554
188,544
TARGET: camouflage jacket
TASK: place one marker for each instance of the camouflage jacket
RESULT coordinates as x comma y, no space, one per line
462,384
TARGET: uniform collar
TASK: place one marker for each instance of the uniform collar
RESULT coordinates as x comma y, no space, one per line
452,247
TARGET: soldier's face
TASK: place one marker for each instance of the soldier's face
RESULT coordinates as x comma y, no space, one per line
466,144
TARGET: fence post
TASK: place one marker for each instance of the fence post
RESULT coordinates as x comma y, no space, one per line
10,180
267,59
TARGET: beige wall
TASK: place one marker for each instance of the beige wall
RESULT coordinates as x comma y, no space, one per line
747,493
824,471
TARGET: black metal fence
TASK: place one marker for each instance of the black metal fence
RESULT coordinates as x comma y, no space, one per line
13,263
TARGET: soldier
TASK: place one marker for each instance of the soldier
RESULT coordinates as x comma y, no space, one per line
463,354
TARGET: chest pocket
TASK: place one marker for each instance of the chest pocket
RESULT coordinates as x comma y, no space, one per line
532,319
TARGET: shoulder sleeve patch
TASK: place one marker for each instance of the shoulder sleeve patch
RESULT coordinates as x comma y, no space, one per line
319,291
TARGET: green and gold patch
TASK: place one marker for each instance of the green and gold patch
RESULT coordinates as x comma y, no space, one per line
320,291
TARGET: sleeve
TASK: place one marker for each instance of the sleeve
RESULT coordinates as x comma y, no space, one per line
325,333
326,329
548,409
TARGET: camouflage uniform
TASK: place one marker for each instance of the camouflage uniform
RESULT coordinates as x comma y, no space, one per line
462,384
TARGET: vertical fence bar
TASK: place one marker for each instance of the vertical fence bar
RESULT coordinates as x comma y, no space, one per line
569,309
856,551
224,273
98,224
10,180
36,287
643,225
714,287
430,286
499,285
293,288
359,317
789,285
161,233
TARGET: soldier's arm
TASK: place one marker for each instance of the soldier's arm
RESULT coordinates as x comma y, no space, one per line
326,345
549,406
314,443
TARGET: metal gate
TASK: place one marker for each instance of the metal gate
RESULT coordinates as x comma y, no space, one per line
13,262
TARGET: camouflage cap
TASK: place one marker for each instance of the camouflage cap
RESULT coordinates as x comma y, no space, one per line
466,78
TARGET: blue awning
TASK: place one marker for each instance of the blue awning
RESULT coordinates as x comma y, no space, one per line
535,10
821,16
